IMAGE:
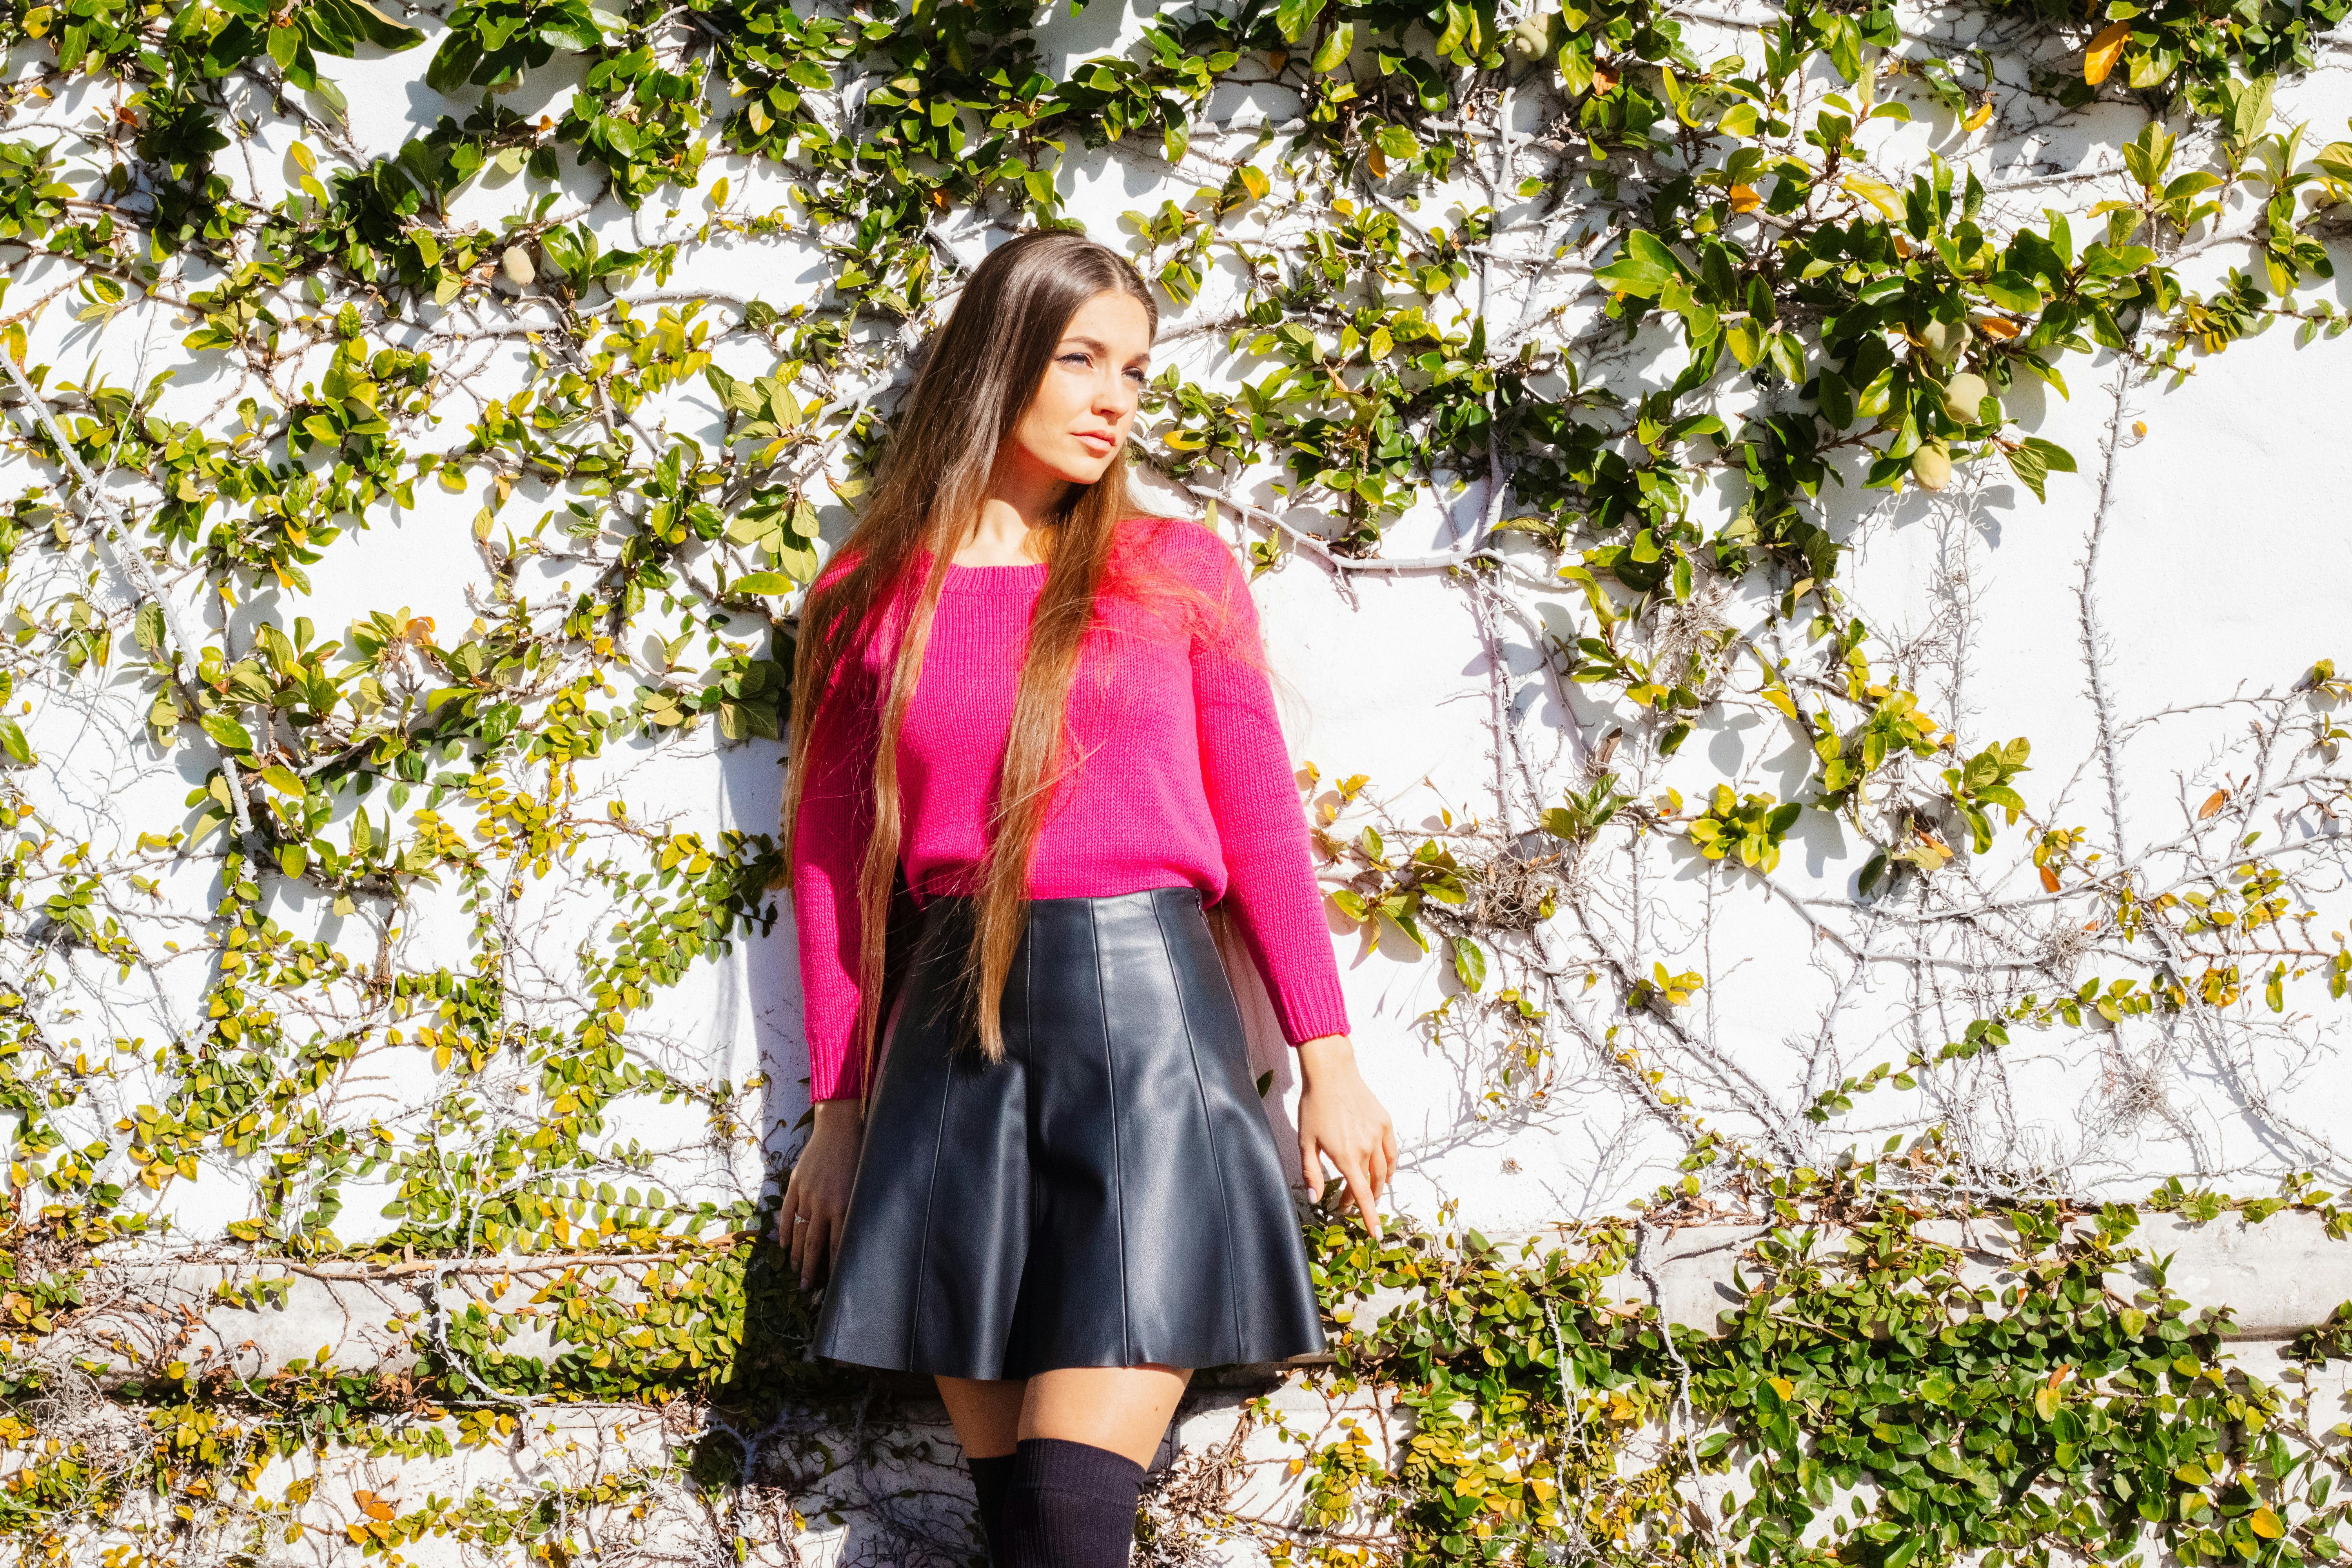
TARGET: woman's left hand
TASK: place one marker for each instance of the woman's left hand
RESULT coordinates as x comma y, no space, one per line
1341,1117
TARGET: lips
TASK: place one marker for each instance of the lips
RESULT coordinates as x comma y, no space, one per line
1100,444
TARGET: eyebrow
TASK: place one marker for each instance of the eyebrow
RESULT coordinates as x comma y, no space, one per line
1101,348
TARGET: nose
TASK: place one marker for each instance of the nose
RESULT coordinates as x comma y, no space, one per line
1117,397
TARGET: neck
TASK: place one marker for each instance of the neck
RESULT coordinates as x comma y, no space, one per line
1022,499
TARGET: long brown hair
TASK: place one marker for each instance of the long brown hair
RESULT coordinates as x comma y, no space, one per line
983,369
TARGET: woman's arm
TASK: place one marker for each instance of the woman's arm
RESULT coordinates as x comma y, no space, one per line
1270,873
1254,798
829,838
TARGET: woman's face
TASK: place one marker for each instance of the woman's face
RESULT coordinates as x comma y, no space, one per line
1079,417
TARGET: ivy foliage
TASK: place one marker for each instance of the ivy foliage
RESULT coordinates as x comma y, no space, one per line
1883,1393
1712,279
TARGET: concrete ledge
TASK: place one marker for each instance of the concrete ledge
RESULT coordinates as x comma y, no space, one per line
2279,1277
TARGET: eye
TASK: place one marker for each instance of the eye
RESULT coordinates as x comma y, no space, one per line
1078,356
1137,371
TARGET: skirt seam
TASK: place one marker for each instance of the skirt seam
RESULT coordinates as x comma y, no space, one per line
1019,1345
930,1199
1209,1128
1118,1158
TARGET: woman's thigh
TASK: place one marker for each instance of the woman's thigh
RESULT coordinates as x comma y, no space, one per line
1123,1409
986,1412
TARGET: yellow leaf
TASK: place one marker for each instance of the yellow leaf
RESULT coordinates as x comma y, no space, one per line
2049,879
374,1506
2213,803
2266,1524
1881,196
1978,116
1743,199
2100,58
1998,327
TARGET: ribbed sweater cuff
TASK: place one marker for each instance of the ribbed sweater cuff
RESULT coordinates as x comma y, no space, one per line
832,1080
1311,1010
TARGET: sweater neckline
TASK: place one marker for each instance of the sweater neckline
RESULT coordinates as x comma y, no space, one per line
1027,578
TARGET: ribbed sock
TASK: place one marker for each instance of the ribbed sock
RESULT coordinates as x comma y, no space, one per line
991,1476
1071,1505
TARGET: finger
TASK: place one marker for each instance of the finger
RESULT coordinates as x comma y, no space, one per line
805,1249
1358,1179
1359,1187
1310,1162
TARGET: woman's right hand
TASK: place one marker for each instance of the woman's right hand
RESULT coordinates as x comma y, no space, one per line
816,1197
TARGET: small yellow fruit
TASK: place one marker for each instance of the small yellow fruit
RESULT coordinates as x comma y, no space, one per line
1529,37
1932,466
1944,339
1962,394
516,264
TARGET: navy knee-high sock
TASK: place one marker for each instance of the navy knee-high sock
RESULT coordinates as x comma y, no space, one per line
992,1474
1071,1505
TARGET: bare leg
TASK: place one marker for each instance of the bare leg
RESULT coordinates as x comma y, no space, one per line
1123,1409
986,1412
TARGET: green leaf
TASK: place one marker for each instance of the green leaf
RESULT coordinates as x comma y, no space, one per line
1469,964
1746,340
1335,50
358,20
228,732
2013,292
1643,266
2033,458
1396,141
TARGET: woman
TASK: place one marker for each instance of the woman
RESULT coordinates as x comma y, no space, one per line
1045,722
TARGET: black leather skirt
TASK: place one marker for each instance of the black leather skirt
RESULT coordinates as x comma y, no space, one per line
1107,1195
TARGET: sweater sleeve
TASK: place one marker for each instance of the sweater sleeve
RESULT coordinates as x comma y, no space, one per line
1254,798
829,837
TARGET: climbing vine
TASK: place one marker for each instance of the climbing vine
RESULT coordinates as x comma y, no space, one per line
401,501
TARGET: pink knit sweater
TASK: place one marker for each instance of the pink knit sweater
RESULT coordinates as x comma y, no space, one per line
1181,777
